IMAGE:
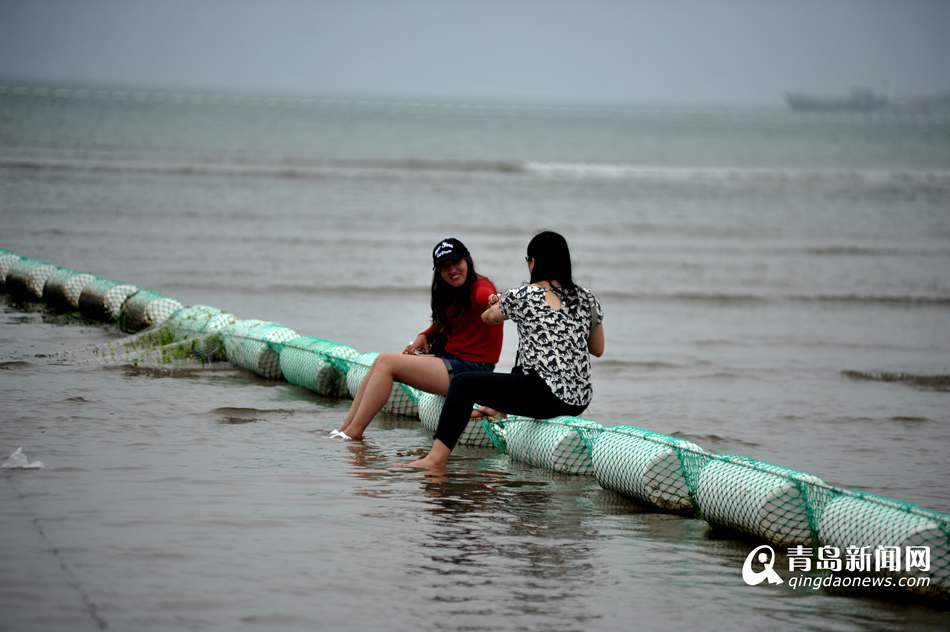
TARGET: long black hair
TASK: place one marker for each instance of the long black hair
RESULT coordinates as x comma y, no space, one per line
444,296
552,259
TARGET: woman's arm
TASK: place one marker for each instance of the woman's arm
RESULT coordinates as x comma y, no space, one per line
595,341
493,315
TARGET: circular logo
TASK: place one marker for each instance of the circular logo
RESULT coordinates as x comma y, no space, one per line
764,555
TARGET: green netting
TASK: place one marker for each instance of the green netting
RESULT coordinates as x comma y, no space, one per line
648,469
27,278
247,344
556,444
145,309
103,298
430,407
402,400
64,287
190,352
199,319
317,364
155,347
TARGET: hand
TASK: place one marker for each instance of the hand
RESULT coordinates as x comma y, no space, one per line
419,345
493,299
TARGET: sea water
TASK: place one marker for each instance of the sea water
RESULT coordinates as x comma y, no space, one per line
775,285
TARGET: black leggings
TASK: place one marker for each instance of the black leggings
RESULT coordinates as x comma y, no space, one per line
516,393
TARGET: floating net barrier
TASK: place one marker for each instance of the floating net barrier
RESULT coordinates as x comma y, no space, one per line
652,471
769,502
430,407
26,279
64,287
145,309
317,364
556,444
250,344
402,400
103,299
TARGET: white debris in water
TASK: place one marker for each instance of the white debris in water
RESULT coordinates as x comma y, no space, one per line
19,461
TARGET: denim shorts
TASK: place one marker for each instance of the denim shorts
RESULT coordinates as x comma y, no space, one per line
456,366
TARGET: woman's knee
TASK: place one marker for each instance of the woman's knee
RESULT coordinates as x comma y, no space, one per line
385,362
466,383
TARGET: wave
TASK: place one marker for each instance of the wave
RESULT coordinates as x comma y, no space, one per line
13,365
237,415
860,250
935,382
556,170
711,439
288,170
616,366
736,174
722,298
739,298
242,286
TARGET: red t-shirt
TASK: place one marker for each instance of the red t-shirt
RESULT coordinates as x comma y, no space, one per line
468,337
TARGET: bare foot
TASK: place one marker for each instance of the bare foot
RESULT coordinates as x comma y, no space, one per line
427,463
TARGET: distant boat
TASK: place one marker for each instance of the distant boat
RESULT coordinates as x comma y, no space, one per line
860,100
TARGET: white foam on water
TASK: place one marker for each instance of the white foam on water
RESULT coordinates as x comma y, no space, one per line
19,461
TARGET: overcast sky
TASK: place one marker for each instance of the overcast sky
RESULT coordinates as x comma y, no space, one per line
686,51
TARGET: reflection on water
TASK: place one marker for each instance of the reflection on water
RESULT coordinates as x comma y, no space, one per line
499,543
270,521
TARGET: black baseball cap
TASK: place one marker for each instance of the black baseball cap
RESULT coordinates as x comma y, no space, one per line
449,249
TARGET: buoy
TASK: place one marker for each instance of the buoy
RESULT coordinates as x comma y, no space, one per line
103,299
27,278
756,498
64,287
555,444
644,465
317,364
146,309
254,345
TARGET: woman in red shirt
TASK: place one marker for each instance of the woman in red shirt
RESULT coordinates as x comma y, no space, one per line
456,342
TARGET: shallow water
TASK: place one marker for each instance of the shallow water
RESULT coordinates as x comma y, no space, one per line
755,312
213,499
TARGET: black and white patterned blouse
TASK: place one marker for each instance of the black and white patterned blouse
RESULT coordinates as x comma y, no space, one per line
553,343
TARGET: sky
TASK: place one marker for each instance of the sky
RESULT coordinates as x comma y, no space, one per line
584,51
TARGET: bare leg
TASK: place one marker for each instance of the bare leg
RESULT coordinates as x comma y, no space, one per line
436,460
426,373
356,400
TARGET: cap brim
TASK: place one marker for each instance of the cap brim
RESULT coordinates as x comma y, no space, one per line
444,258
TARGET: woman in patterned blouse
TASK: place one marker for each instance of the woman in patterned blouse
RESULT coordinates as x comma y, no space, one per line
560,325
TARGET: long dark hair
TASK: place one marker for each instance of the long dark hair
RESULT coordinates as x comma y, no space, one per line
444,296
552,259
